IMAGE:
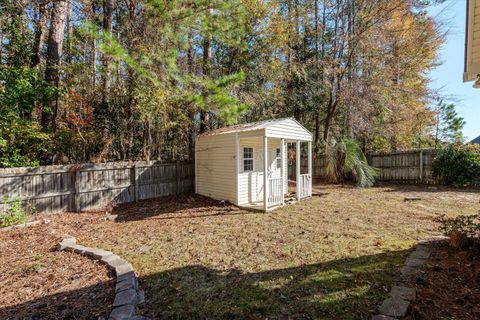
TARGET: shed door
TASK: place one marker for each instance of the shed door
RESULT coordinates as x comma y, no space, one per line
256,181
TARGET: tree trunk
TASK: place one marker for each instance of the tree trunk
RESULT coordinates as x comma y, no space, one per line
39,36
108,28
207,54
54,55
93,57
69,32
191,113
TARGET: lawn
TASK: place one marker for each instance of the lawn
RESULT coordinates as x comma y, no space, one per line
333,256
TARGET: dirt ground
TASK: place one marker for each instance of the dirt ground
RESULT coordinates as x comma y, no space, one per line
333,256
38,282
448,286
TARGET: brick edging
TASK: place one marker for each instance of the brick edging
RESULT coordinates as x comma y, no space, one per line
127,291
398,303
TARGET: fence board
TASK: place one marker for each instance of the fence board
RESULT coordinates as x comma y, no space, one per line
93,186
395,166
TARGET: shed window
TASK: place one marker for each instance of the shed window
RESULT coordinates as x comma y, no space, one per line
278,157
247,159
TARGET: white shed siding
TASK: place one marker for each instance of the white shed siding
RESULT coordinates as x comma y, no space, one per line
215,167
288,129
250,184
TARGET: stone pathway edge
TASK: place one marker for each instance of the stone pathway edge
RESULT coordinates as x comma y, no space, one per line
127,291
396,306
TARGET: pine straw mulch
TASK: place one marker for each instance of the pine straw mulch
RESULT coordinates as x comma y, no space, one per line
448,287
39,282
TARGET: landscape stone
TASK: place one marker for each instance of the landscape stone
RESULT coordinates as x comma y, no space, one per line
66,243
394,307
420,254
122,312
116,262
126,284
78,249
125,297
414,262
123,269
382,317
141,297
126,276
112,217
89,251
402,292
109,258
408,271
99,254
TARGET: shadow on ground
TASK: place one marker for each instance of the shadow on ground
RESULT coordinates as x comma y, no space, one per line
424,188
86,303
340,289
185,206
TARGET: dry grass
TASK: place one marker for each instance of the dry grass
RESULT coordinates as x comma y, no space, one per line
333,256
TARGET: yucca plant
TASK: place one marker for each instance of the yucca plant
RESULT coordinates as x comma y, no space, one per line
346,157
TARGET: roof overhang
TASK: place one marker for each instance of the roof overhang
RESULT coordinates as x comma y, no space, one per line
472,42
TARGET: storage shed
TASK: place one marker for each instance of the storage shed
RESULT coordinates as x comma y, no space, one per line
247,163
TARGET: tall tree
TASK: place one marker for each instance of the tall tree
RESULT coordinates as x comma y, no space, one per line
54,55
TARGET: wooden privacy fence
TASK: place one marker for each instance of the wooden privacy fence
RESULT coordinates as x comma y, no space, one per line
410,166
93,186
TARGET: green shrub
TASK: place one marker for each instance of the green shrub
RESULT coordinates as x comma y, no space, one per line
462,230
346,157
15,213
458,165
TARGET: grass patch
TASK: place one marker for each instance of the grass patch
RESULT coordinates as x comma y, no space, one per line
333,256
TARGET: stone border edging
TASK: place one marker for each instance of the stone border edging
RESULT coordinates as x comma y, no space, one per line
127,291
397,305
25,225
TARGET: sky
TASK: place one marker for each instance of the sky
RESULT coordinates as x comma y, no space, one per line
448,76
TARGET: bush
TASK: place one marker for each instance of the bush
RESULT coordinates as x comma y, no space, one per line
463,230
458,166
347,158
15,213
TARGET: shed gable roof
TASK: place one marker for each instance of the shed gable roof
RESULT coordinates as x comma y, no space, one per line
476,140
270,125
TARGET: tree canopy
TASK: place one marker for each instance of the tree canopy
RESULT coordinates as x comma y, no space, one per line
102,80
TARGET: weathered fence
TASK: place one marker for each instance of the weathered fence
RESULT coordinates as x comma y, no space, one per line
93,186
411,166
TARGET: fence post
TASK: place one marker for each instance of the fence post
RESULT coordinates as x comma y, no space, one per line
177,174
76,182
134,181
421,166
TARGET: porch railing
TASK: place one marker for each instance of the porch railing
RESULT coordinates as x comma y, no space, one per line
305,187
275,190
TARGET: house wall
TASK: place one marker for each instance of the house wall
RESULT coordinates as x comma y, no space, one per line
472,58
250,184
215,167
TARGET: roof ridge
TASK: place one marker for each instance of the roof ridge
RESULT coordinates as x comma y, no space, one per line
246,126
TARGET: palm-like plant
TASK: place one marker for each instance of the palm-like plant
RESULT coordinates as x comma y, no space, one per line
347,157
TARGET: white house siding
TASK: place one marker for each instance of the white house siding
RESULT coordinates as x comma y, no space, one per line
288,129
250,184
215,167
472,57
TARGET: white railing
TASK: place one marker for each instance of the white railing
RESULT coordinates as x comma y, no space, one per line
275,192
305,186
